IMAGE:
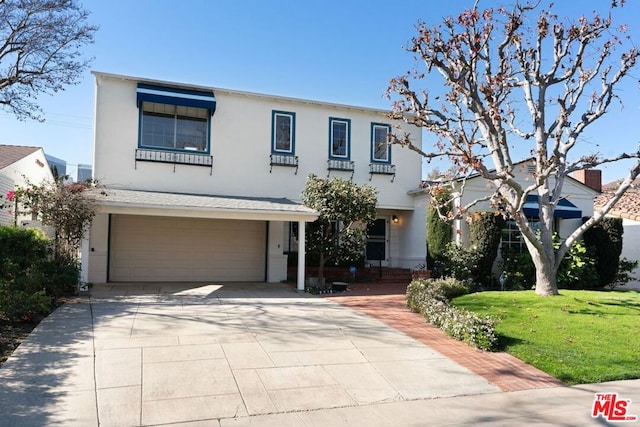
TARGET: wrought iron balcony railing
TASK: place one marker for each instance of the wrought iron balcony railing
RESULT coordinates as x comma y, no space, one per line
175,158
341,165
382,169
283,160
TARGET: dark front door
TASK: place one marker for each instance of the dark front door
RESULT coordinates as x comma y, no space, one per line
376,250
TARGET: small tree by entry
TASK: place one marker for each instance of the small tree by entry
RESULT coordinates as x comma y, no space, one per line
517,81
66,207
339,233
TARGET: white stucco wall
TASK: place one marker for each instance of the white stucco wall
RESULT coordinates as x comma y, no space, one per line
33,168
241,145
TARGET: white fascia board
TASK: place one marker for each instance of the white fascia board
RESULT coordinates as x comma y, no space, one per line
100,74
196,212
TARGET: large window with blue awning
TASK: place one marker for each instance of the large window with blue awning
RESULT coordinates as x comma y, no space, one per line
175,119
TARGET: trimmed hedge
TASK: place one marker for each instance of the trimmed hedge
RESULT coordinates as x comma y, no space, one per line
485,232
431,299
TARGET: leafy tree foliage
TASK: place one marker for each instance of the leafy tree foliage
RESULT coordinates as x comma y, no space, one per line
40,42
517,79
339,233
67,207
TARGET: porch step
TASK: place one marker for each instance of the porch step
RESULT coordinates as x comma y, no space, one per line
385,275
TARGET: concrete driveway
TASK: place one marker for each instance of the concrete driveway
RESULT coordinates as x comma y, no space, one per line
176,353
250,354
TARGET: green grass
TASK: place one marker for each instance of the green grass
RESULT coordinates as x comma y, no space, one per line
578,337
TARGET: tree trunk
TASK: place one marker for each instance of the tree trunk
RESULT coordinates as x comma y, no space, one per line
321,262
546,275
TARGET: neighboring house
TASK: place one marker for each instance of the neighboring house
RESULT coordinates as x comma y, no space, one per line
576,202
18,166
627,208
203,184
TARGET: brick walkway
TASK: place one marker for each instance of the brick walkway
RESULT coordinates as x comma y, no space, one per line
386,302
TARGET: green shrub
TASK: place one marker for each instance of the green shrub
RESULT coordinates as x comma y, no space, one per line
485,232
518,270
577,269
604,241
431,299
459,263
29,279
20,250
59,279
438,231
20,305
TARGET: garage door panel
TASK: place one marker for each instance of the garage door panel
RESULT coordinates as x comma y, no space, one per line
181,249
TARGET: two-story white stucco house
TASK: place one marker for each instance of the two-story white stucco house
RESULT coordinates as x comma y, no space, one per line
19,167
203,184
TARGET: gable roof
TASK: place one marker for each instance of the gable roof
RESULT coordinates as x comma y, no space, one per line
10,154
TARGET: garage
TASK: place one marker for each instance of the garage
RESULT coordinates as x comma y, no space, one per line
172,249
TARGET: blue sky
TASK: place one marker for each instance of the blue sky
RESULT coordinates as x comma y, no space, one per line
336,51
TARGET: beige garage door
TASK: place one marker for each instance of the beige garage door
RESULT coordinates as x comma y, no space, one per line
162,249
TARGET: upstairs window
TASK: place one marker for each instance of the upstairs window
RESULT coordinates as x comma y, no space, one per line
174,119
283,130
339,138
380,147
174,127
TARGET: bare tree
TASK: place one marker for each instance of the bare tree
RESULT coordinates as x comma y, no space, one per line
40,42
517,77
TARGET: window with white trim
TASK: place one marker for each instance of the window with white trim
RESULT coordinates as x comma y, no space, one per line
339,138
380,147
513,239
283,128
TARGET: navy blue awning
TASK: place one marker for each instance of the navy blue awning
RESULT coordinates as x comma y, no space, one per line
564,209
174,96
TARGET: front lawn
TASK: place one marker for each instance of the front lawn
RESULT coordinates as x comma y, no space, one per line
578,337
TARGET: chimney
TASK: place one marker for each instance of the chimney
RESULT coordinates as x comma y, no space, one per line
590,177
